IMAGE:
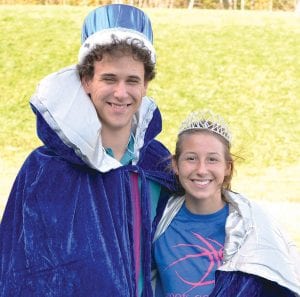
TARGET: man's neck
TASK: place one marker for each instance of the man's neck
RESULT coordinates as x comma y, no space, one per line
116,140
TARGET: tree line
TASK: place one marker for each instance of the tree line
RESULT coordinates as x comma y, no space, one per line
283,5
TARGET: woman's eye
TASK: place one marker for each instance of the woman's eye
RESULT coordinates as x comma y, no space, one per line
213,160
190,158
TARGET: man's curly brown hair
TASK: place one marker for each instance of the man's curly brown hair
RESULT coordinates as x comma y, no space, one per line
118,48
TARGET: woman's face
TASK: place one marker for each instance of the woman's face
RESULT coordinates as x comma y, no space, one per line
201,169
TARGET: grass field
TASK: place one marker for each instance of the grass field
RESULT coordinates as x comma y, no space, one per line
243,65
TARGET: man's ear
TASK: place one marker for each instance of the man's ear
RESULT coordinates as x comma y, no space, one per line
86,84
145,88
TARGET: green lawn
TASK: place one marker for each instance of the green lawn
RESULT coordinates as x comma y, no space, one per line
243,65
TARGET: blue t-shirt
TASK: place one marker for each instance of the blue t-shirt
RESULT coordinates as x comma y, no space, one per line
188,253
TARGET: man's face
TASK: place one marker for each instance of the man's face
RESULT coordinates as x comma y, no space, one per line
116,90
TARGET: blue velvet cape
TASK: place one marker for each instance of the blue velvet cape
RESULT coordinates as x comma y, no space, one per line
67,228
240,284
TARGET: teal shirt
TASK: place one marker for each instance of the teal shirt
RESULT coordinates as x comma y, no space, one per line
153,186
127,159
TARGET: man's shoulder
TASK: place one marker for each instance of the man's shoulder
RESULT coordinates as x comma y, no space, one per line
155,154
158,149
42,158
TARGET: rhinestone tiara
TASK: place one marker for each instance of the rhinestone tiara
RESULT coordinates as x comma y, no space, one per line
206,120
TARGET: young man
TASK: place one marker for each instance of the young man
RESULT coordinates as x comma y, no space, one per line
79,218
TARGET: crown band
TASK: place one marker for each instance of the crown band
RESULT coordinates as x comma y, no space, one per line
105,37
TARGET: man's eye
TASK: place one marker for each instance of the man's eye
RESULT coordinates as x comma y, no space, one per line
108,79
133,81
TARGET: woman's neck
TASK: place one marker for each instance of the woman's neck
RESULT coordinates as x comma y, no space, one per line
204,206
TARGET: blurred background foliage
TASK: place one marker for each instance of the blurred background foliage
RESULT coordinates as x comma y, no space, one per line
242,64
286,5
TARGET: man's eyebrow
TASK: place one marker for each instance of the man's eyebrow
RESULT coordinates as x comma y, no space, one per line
107,75
112,75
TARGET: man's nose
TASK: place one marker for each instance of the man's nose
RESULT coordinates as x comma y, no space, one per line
120,90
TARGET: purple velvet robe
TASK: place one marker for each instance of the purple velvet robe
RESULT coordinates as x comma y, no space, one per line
67,228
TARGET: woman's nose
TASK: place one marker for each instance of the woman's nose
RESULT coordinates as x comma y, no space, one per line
201,167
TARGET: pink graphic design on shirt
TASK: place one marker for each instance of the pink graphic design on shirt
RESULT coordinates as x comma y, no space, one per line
209,248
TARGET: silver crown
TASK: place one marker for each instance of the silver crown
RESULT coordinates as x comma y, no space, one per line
206,120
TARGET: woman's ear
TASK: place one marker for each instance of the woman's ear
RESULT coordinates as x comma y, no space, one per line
174,166
227,175
228,168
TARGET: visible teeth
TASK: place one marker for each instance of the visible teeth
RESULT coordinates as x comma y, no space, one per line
117,105
202,182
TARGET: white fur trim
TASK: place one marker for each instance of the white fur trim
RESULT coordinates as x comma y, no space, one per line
68,110
105,37
65,106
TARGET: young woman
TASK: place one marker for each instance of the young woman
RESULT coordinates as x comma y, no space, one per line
210,240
